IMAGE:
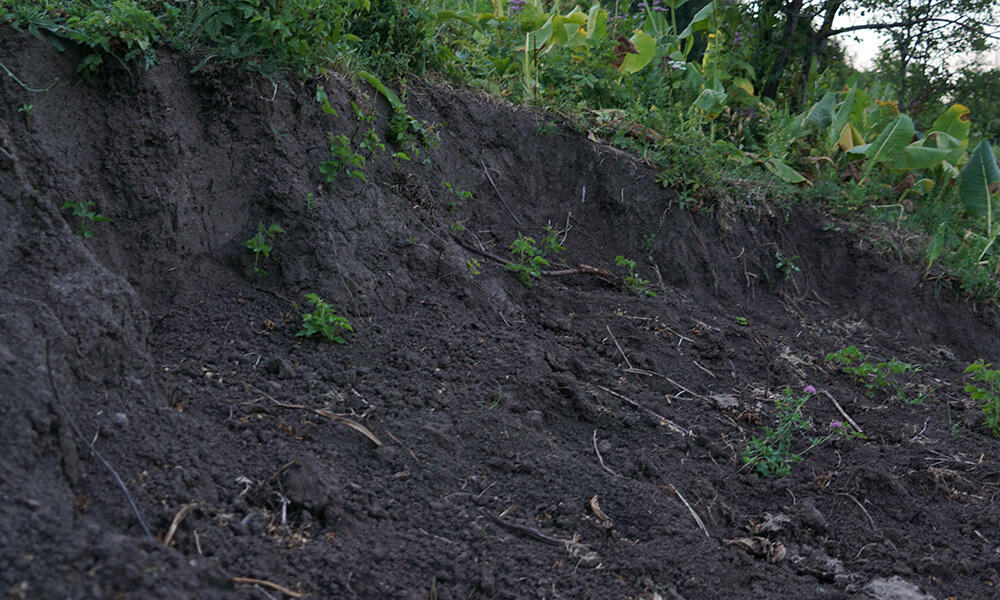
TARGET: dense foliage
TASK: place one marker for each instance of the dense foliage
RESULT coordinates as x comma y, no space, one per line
715,94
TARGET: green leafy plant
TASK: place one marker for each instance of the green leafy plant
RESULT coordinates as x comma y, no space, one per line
632,280
27,110
894,375
529,258
786,264
343,160
774,454
324,322
473,267
87,215
987,394
458,195
261,245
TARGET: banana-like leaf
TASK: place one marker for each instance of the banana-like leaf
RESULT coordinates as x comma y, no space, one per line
701,21
955,122
743,84
597,23
974,185
820,115
646,45
850,138
536,40
896,135
565,26
835,135
783,172
711,102
917,156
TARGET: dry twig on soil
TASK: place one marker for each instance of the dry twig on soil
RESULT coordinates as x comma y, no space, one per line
268,584
183,512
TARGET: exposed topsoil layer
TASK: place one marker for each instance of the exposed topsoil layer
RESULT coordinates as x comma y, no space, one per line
152,353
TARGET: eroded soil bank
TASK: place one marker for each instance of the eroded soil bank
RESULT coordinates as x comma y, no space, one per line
497,412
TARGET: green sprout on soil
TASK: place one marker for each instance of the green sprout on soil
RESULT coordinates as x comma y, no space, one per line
529,258
84,210
741,321
893,375
27,109
473,267
458,194
773,455
633,281
343,160
261,245
786,265
372,143
323,322
988,395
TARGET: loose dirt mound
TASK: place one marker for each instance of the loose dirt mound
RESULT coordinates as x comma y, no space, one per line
571,439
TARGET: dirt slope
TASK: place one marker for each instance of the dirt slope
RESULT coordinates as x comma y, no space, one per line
500,410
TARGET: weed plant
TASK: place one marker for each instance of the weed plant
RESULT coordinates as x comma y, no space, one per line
632,280
323,322
773,454
261,244
985,389
87,215
530,256
894,376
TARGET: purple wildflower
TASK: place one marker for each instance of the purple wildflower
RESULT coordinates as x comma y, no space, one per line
836,424
809,389
515,6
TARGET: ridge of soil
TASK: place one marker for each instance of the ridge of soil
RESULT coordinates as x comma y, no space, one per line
500,410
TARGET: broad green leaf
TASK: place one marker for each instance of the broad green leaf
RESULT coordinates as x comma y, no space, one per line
820,115
917,156
896,135
701,20
597,23
859,149
956,146
535,40
646,45
937,245
974,185
850,138
744,84
836,131
955,122
565,26
376,83
711,102
783,172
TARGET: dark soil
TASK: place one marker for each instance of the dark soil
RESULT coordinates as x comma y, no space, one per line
152,347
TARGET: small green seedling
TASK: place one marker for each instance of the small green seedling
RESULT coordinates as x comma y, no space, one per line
261,245
343,160
741,321
786,264
458,195
773,455
323,322
473,267
87,215
529,258
893,375
987,395
310,203
27,109
633,281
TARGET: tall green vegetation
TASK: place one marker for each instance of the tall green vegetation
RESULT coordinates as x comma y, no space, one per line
709,91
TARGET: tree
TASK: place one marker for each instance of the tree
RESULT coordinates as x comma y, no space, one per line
921,33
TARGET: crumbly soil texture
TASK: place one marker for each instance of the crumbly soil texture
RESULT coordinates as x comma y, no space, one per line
167,434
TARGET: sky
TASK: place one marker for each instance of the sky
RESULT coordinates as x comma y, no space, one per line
863,46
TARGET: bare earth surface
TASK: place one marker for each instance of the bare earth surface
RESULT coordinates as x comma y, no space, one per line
475,438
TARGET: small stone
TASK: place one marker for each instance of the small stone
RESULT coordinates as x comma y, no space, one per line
120,419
